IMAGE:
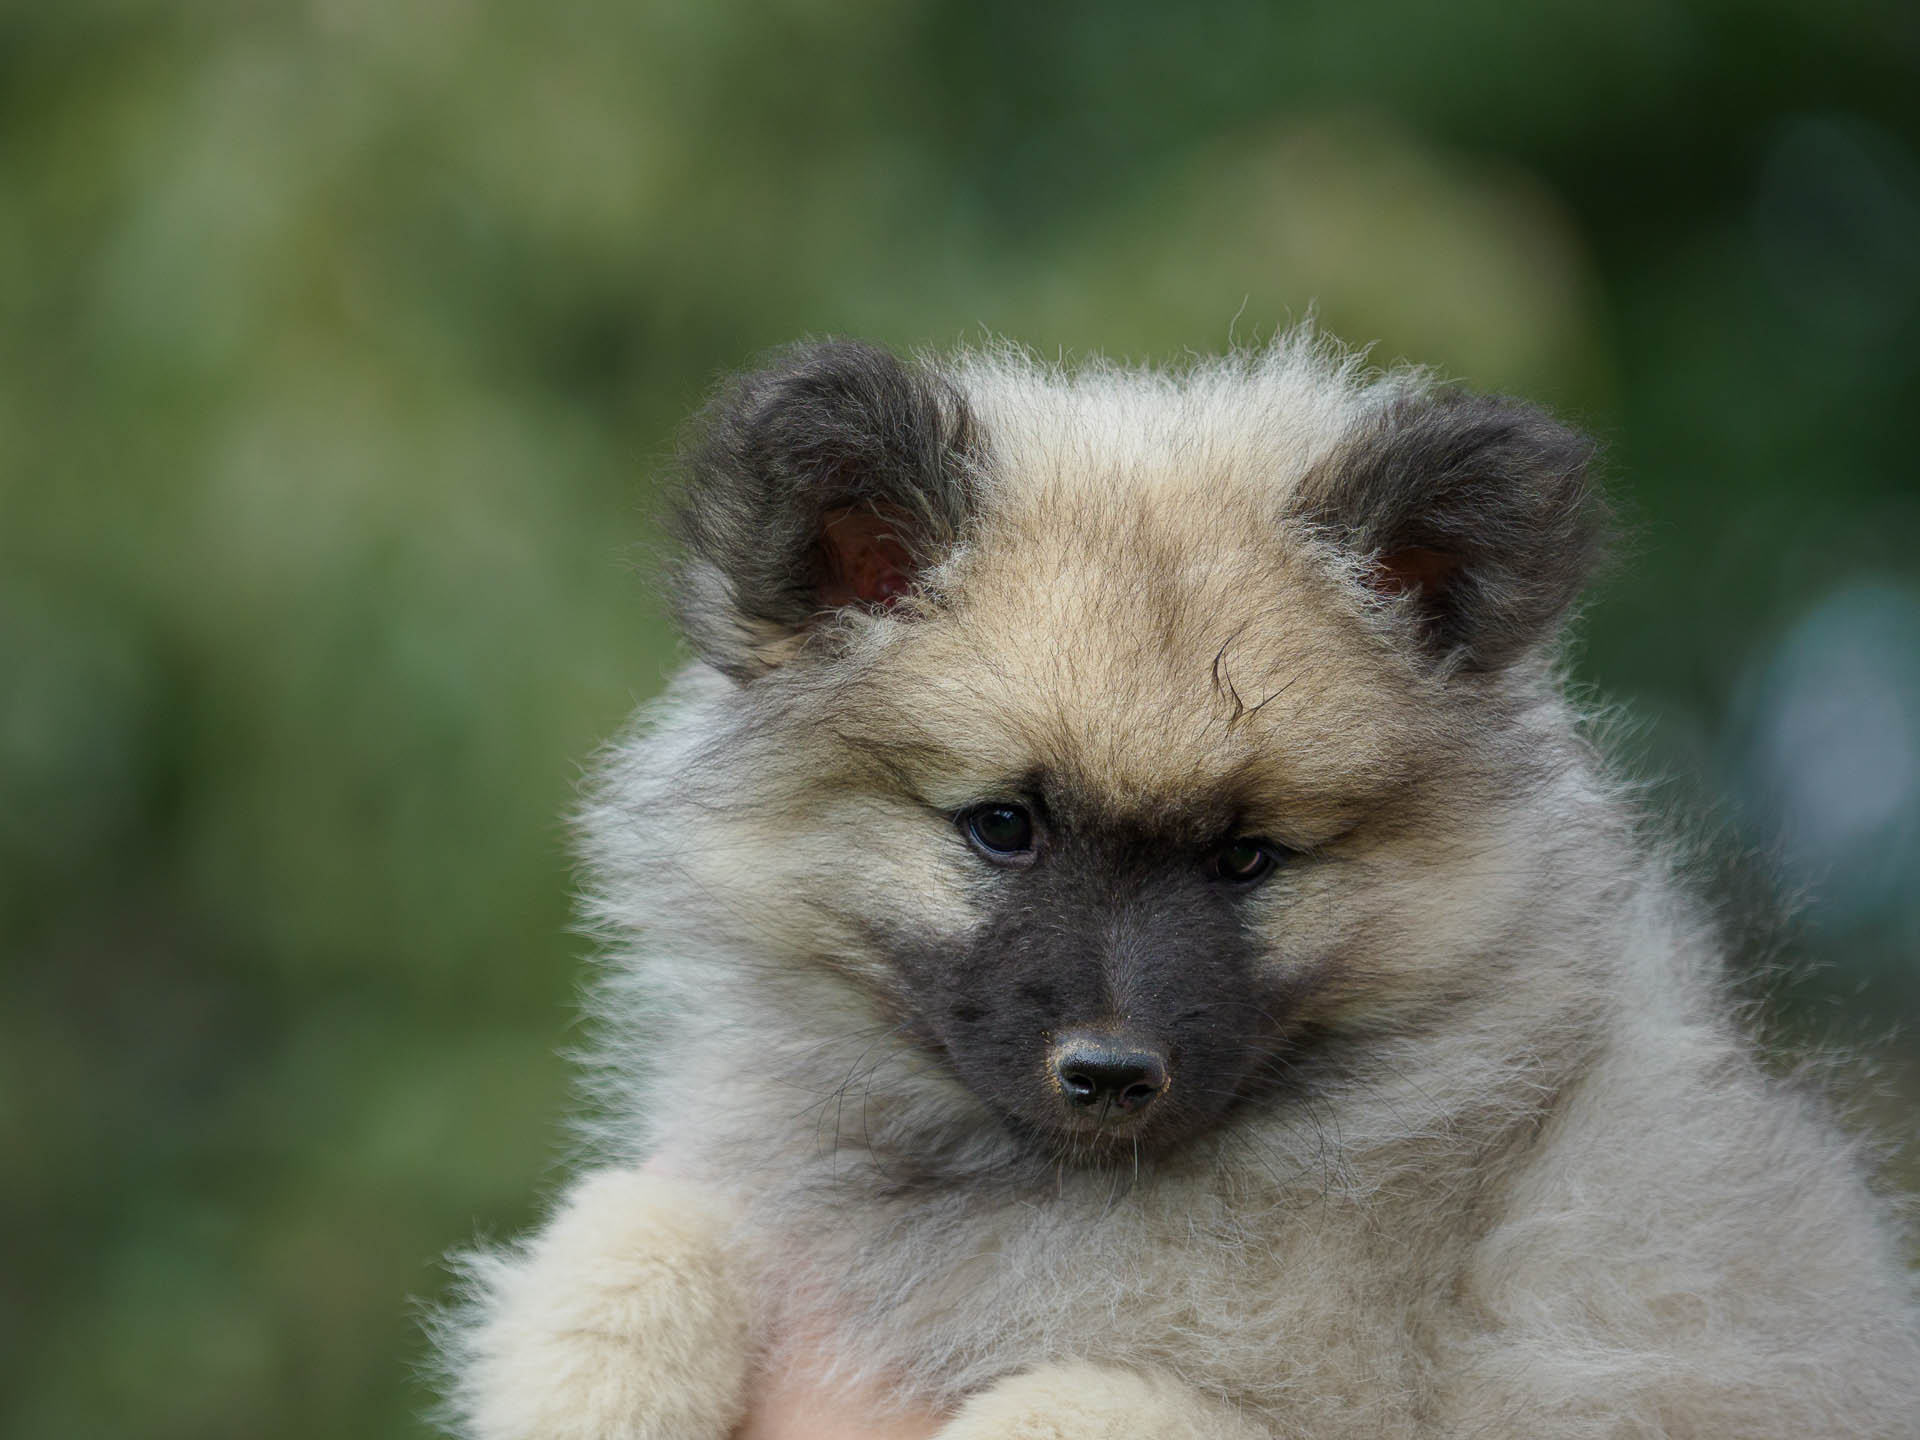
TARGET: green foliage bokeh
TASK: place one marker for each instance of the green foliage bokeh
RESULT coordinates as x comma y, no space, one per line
340,343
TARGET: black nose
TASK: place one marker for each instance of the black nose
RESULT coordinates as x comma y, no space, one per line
1096,1070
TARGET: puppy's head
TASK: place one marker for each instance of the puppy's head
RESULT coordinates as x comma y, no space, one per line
1137,744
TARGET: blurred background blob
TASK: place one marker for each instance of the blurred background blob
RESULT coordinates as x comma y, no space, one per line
1832,763
340,343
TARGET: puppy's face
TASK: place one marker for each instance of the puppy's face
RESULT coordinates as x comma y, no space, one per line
1128,774
1114,755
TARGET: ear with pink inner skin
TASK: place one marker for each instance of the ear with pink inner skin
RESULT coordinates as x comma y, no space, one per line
1413,571
829,480
865,560
1474,513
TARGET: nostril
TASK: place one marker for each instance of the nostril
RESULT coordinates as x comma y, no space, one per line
1097,1070
1080,1086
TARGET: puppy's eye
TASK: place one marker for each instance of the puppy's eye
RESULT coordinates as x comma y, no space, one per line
999,830
1243,861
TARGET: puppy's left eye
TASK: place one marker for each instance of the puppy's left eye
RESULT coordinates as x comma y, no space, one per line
1243,861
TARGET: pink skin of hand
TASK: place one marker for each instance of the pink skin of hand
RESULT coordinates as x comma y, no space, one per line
791,1405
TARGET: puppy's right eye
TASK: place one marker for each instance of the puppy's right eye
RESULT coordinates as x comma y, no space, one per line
1000,832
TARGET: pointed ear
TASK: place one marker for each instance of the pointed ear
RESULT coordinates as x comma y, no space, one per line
1475,512
832,478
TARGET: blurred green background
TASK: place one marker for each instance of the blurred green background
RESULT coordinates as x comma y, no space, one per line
339,344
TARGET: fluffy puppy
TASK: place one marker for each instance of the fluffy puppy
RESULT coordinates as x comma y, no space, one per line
1120,932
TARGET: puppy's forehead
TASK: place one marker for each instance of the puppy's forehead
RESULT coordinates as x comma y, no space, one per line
1149,633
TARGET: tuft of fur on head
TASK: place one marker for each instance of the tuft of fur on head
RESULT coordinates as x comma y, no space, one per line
1257,661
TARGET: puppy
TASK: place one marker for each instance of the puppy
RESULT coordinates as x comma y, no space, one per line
1119,931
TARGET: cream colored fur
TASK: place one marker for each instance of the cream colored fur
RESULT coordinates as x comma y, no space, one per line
1093,1402
1559,1200
623,1318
